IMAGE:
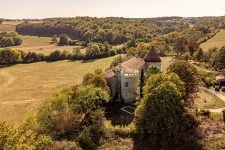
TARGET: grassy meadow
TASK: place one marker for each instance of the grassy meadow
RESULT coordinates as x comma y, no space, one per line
217,41
33,43
24,86
206,100
40,45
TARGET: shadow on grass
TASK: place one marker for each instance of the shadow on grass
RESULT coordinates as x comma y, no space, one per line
116,115
7,66
88,60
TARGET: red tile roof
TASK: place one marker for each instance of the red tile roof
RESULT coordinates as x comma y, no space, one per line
133,63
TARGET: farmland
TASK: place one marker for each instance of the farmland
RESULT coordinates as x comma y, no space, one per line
40,45
217,41
33,43
23,87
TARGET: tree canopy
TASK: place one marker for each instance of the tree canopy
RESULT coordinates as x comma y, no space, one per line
189,75
160,112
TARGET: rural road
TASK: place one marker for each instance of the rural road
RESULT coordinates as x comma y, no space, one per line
217,94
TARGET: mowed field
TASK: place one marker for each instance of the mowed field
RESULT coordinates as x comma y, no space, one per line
41,45
217,41
34,43
24,86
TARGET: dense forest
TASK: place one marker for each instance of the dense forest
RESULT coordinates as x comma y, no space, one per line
112,30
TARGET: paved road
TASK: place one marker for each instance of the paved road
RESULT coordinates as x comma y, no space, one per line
217,94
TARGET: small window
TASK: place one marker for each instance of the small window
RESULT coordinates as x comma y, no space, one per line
125,84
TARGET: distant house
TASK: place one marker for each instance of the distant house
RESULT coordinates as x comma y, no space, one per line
124,80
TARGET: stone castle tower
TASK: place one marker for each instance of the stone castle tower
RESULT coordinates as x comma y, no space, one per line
124,80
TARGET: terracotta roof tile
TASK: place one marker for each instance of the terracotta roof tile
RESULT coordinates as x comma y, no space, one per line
133,63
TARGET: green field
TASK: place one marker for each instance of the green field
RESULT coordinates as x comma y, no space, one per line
40,45
206,100
217,41
34,43
24,86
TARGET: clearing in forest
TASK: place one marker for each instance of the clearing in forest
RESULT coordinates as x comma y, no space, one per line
217,41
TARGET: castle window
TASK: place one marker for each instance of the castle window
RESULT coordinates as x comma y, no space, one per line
125,84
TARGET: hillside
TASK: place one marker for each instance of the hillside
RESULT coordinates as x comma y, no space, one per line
218,41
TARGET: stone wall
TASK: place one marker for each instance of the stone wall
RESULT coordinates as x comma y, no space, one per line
129,92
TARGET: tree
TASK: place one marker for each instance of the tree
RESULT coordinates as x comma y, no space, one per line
11,138
218,60
10,56
88,98
116,61
152,70
198,55
98,71
159,116
75,114
193,46
63,39
186,56
92,51
181,45
95,79
17,40
56,55
131,43
189,75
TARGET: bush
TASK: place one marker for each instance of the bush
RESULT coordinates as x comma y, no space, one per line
11,138
63,39
33,57
116,61
57,55
205,113
10,56
9,39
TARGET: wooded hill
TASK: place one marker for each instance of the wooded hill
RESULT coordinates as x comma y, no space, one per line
112,30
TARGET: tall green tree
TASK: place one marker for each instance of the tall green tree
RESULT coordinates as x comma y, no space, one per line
218,60
189,75
159,116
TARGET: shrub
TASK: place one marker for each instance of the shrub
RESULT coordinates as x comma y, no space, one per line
10,56
116,61
205,113
57,55
9,39
63,39
33,57
11,138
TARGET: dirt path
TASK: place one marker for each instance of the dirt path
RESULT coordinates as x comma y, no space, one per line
217,94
